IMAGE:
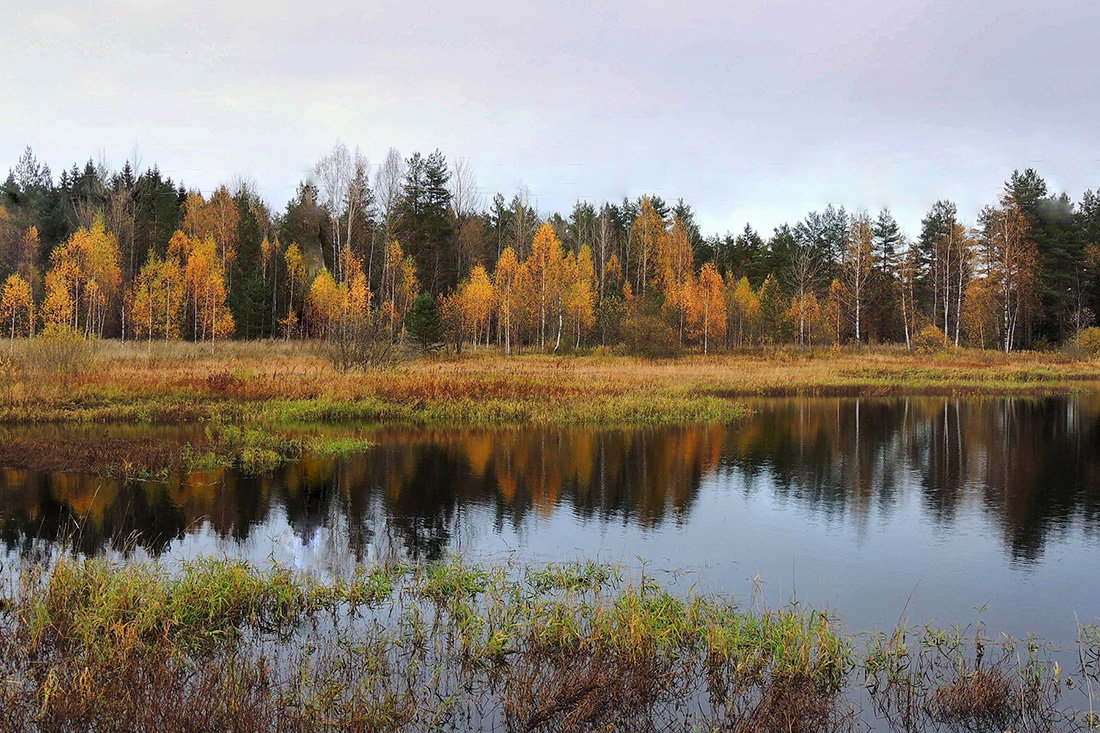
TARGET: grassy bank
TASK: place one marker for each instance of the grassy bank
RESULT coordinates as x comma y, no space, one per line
225,646
136,453
276,383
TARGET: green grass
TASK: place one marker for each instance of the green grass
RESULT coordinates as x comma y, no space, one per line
249,448
90,644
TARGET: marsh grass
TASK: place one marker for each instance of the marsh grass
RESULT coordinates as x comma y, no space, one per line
215,644
960,679
248,448
89,644
275,383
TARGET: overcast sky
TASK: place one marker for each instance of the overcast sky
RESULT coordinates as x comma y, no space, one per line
752,112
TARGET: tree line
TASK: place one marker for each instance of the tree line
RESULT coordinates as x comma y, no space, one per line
413,249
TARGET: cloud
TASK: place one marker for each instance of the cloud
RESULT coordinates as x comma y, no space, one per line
749,111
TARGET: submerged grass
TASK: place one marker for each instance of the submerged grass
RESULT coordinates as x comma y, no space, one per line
217,644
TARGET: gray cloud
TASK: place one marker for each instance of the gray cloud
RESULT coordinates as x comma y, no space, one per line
750,111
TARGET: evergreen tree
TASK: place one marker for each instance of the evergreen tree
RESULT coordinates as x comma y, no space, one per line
1060,245
748,255
424,323
248,301
887,235
424,220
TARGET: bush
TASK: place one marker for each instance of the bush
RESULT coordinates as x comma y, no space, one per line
929,341
9,376
360,344
61,350
647,334
1088,339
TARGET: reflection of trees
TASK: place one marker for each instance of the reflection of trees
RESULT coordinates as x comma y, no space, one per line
1032,465
87,512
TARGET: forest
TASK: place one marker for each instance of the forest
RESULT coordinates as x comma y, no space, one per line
408,251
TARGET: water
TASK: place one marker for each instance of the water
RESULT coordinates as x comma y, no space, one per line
930,508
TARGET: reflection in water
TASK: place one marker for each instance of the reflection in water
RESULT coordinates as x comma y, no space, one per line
1031,466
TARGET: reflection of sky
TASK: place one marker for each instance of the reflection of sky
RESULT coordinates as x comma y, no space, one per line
761,518
894,562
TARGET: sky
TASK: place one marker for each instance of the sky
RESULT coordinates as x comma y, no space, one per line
751,112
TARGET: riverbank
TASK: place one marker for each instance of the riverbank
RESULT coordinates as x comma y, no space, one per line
218,645
279,383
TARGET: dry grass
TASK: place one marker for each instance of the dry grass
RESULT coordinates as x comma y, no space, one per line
294,382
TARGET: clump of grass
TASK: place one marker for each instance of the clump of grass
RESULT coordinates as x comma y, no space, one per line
105,610
251,449
958,679
572,576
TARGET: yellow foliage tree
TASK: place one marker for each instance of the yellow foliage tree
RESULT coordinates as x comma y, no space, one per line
833,311
675,260
325,304
475,304
579,302
217,219
400,286
980,312
206,293
57,308
544,266
17,306
296,276
526,304
613,271
504,295
744,310
88,268
157,298
646,235
712,303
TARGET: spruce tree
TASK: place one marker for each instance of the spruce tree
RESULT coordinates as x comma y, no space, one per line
424,324
887,234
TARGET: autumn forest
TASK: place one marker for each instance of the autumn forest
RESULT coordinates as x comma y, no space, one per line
410,251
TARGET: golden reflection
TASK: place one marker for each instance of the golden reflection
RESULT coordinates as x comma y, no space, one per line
1032,464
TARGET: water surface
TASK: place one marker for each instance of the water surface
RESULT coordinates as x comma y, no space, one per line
928,507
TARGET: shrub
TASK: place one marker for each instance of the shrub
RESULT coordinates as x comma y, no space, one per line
9,376
929,341
359,344
1088,339
61,350
646,334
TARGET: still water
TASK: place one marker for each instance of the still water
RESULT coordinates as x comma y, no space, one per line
927,508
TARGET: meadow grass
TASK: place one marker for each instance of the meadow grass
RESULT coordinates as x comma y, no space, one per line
275,382
218,644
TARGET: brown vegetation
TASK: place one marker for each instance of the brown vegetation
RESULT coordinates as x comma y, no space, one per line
279,382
